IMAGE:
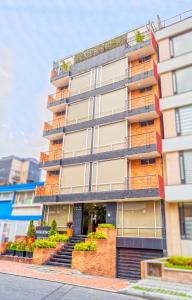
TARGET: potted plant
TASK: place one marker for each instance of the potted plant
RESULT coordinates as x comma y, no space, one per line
69,228
11,249
64,67
53,229
139,37
29,250
20,249
31,233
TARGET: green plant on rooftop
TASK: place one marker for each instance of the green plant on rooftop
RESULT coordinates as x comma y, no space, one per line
106,226
97,235
101,48
87,246
139,37
64,67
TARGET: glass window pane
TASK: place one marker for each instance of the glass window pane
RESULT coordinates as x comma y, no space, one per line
182,43
183,78
187,155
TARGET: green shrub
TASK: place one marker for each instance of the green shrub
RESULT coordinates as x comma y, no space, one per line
30,247
87,246
12,246
97,235
31,232
53,229
180,260
44,244
59,238
20,246
139,37
106,226
64,67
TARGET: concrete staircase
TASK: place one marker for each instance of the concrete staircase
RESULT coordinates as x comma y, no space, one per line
63,257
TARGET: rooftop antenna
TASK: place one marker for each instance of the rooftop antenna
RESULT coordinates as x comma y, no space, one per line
159,24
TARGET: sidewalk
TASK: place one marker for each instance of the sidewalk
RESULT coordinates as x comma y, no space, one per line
159,290
68,276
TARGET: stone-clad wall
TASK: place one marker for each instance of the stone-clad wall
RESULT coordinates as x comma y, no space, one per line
101,262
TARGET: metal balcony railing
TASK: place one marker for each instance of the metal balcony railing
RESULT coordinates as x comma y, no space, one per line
132,41
58,96
54,124
141,232
132,70
173,20
47,190
139,140
50,155
138,102
146,182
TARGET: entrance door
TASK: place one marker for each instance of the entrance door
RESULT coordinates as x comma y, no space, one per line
93,214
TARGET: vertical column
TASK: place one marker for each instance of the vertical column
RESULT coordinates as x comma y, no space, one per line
163,227
77,218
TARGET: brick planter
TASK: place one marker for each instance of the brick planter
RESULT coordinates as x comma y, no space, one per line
101,262
3,247
42,255
156,269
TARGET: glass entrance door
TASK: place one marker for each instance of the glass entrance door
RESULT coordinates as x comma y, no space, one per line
93,214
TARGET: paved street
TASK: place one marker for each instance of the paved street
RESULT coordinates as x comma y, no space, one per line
21,288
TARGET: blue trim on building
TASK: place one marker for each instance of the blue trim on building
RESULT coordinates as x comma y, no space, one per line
20,187
21,218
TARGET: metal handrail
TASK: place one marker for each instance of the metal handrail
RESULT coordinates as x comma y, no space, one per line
175,19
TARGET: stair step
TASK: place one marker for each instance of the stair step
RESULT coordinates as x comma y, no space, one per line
69,254
64,256
62,260
65,265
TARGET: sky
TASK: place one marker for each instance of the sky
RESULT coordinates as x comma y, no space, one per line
34,33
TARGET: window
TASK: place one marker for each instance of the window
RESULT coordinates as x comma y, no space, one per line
185,160
185,213
182,80
146,123
146,89
54,173
181,44
59,141
24,197
60,113
144,59
183,120
6,196
147,161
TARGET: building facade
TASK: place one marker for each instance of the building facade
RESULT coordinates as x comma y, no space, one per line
175,70
14,170
17,209
104,162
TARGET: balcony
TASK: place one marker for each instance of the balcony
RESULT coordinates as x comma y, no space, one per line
47,190
51,160
140,146
59,76
54,129
58,101
142,75
147,187
140,49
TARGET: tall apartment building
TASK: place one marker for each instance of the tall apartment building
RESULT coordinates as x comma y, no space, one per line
105,143
14,170
175,69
